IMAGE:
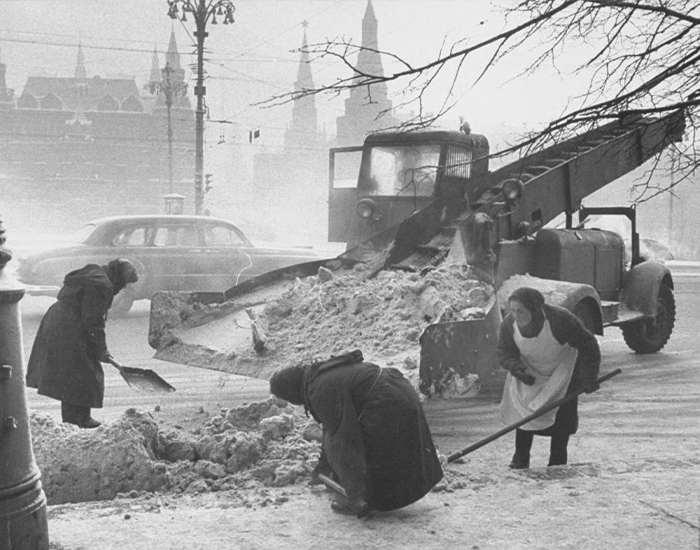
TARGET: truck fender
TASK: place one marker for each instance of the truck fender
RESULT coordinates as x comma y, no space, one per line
640,289
571,296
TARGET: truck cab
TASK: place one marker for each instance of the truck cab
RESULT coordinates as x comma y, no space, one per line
426,196
400,173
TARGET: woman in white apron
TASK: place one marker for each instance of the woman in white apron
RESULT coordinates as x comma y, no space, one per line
548,353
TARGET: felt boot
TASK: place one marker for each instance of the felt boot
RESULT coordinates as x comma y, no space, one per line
72,414
523,444
78,415
558,454
89,422
343,505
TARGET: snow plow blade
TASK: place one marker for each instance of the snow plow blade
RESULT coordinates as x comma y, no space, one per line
297,314
458,358
209,329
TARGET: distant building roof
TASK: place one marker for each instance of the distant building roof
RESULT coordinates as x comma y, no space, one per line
86,94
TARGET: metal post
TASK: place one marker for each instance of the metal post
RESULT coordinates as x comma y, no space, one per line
202,13
169,89
168,105
199,91
671,200
23,520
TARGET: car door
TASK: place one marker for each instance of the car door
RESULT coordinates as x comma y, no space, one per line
344,167
177,254
229,257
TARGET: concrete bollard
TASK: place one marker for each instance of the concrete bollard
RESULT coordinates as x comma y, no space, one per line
23,521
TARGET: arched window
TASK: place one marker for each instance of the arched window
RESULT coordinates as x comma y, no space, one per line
108,103
132,104
27,101
52,102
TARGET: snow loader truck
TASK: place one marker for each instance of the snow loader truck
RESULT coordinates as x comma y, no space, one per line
426,198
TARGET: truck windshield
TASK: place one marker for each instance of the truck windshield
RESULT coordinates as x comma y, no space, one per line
403,170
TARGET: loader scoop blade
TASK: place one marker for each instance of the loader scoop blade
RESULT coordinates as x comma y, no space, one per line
457,358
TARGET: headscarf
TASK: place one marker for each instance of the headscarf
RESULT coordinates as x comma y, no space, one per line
533,301
288,384
121,272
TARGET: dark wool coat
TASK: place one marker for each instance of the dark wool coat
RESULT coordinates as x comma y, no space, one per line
376,439
566,329
64,362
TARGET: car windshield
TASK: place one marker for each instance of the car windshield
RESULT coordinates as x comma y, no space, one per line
407,170
83,234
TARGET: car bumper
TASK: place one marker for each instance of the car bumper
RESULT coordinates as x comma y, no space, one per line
41,290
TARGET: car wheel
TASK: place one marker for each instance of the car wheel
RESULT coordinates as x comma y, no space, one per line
651,334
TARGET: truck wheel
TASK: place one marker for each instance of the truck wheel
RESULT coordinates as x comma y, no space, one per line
650,335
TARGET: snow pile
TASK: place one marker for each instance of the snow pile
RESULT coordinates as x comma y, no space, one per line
554,292
78,465
383,316
243,450
268,443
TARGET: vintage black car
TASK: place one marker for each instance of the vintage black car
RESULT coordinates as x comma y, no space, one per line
187,253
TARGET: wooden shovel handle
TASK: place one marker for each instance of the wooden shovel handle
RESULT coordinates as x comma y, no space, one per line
332,484
539,412
112,361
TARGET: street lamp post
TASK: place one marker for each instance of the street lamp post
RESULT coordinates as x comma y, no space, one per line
170,90
23,523
202,11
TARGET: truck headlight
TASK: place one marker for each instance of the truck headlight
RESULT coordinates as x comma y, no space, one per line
512,190
366,208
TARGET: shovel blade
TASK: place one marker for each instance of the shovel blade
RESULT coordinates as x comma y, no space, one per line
145,380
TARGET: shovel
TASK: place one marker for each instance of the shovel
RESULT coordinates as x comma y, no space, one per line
539,412
328,482
142,379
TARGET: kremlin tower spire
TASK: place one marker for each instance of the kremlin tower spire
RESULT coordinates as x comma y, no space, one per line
80,72
367,109
304,126
155,67
6,93
172,58
176,73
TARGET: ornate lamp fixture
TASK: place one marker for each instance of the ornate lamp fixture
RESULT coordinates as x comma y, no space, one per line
170,90
201,12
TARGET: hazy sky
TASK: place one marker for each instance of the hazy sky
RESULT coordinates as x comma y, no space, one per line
253,60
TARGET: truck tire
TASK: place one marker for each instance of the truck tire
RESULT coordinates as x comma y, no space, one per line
651,334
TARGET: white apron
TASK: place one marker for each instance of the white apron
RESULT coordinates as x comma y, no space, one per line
552,366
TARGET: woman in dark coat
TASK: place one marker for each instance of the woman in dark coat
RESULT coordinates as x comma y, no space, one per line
65,362
376,441
548,353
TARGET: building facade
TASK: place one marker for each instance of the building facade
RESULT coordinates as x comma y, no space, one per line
291,182
78,147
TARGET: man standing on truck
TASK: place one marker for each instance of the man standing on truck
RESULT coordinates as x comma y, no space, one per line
376,440
70,345
548,353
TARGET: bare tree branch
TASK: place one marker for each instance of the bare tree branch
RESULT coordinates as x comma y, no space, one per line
644,60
